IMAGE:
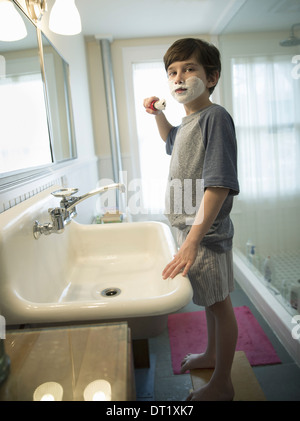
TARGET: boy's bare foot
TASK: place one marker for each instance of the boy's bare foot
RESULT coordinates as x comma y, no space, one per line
213,391
192,361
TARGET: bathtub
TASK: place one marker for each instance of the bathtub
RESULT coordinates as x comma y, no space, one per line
278,318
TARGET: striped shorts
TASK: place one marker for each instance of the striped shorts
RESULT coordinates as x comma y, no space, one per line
211,275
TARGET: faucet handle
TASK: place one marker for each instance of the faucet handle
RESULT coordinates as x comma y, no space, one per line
66,192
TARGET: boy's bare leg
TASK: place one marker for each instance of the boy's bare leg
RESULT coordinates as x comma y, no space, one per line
208,358
220,385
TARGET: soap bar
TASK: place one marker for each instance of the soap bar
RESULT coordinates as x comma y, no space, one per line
158,105
112,217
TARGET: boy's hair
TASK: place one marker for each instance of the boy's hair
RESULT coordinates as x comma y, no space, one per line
207,55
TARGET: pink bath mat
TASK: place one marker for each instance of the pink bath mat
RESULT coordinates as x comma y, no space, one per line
188,334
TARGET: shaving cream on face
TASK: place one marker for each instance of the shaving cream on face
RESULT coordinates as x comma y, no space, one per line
191,89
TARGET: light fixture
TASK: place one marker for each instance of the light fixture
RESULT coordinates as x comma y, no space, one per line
36,9
12,26
49,391
65,18
98,390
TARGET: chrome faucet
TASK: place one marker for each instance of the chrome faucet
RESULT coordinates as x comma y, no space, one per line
63,215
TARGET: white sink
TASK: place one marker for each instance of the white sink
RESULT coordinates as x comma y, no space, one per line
61,277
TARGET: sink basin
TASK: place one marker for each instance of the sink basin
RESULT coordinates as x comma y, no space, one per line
87,273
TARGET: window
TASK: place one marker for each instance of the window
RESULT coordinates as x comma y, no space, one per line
22,97
150,79
146,76
266,105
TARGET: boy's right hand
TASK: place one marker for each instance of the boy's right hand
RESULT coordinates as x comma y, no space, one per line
147,103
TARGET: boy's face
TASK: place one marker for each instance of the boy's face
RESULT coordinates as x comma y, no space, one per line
187,80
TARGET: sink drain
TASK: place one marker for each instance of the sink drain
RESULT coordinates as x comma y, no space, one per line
111,292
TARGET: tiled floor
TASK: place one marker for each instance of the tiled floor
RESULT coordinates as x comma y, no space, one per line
280,382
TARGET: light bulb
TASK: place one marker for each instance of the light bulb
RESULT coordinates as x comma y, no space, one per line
12,26
49,391
47,397
98,390
99,396
65,18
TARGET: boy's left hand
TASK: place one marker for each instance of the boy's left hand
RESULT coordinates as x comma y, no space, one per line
182,261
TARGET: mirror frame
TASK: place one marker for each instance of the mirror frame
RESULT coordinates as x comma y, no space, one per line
18,177
68,100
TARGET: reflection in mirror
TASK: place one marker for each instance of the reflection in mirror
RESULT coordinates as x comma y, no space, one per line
24,135
59,99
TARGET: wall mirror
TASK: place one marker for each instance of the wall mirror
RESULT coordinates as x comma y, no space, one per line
59,101
36,120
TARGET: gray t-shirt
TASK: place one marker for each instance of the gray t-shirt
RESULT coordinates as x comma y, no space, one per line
203,148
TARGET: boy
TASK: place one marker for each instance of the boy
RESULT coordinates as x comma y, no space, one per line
203,147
